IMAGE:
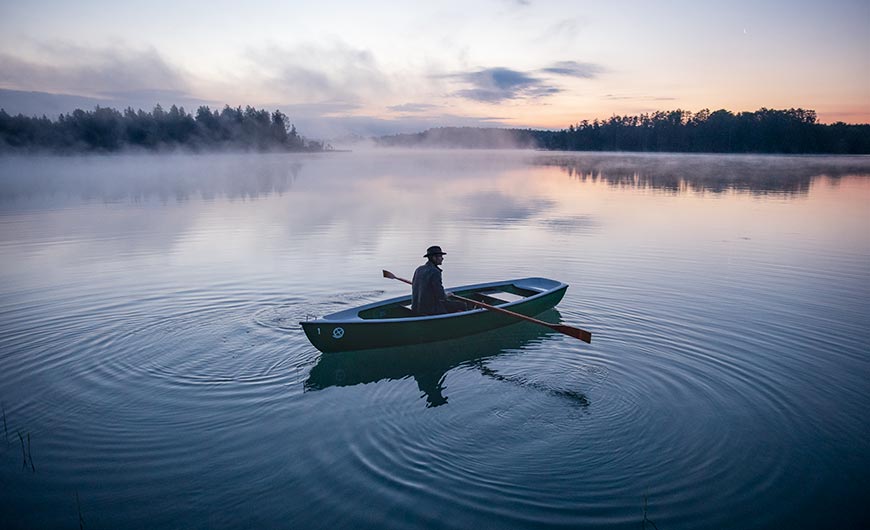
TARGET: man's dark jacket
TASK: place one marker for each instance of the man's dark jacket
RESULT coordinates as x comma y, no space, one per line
428,296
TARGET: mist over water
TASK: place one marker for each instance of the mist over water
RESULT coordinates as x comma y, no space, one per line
150,347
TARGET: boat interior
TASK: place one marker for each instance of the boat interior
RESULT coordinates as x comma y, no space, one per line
497,295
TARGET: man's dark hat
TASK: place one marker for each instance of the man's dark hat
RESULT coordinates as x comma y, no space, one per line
434,251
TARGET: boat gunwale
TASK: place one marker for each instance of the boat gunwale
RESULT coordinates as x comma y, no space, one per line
351,315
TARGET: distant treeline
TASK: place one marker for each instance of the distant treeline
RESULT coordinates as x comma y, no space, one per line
763,131
106,130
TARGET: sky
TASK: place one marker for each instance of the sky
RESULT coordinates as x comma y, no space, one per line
378,67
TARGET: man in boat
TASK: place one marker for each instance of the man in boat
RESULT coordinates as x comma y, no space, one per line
427,290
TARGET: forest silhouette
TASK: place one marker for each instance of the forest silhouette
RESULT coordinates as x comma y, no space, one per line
105,129
792,131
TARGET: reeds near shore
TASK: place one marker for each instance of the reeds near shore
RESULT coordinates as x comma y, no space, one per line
26,454
79,510
645,518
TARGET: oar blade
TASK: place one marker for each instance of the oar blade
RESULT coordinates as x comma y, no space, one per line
390,275
577,333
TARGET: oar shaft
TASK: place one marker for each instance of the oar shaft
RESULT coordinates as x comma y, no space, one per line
577,333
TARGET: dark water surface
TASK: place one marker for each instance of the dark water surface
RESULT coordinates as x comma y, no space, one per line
153,374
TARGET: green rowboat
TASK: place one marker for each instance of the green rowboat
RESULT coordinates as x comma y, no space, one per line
391,323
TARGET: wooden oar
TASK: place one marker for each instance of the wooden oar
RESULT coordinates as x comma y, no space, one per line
571,331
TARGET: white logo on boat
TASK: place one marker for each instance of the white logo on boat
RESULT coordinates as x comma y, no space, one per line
338,333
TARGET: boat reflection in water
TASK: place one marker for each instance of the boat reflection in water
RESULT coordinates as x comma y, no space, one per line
429,363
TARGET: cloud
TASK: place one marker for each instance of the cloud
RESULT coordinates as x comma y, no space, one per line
91,72
314,73
323,108
493,85
412,108
44,104
575,69
565,29
308,73
147,99
614,97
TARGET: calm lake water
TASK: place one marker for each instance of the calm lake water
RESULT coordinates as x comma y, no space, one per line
153,373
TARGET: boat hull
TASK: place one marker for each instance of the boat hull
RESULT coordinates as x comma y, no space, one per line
346,331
